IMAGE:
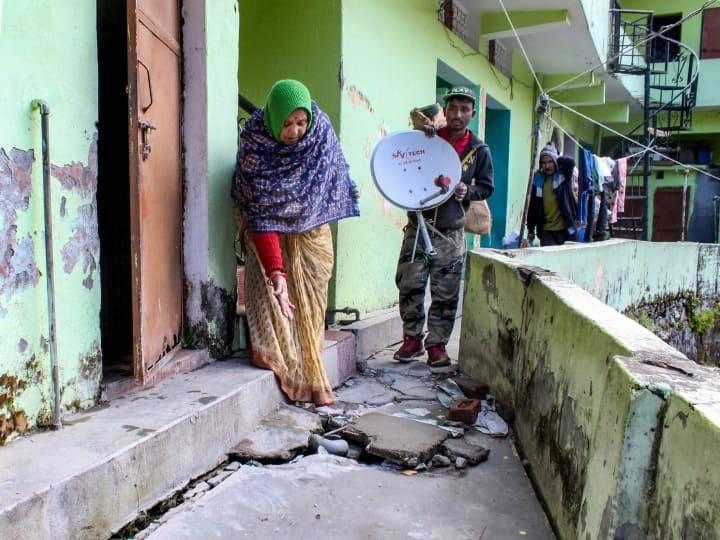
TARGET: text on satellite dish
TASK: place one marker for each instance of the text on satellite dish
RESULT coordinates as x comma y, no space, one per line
399,154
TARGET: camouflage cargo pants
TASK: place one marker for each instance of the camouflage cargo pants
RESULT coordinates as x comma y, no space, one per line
444,271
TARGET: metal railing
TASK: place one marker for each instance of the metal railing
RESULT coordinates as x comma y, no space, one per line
670,70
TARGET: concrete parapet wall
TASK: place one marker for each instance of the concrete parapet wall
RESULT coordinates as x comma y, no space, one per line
620,429
623,273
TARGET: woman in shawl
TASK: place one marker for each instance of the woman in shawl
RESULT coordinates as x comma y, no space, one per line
291,180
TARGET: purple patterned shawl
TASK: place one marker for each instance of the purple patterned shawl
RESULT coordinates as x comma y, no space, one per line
292,189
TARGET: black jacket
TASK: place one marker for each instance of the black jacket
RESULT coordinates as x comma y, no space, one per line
451,213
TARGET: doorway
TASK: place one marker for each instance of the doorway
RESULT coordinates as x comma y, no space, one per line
668,214
113,192
497,136
140,192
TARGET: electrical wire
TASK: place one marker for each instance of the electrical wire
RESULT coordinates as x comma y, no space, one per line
464,54
636,143
591,120
632,46
522,47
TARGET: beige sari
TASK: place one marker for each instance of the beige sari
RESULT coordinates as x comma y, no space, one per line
292,349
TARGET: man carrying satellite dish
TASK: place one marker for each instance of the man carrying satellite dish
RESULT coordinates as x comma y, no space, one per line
446,224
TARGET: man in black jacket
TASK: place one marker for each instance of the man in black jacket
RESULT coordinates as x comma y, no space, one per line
443,270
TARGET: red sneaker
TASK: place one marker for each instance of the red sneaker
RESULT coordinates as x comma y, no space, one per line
437,355
411,348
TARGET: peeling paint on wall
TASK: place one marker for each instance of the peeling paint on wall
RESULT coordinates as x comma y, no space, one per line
358,98
83,246
87,384
13,420
17,255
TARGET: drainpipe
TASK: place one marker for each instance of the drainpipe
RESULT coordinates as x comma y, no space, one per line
49,264
541,109
684,195
716,215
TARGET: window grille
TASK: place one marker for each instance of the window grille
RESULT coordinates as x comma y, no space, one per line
455,17
500,57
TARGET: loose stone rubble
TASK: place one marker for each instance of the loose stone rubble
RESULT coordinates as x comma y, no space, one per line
390,415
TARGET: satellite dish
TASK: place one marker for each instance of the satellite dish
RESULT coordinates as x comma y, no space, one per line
406,164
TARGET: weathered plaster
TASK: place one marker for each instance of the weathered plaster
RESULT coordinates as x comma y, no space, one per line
83,246
357,98
619,429
82,390
637,469
219,313
14,419
18,269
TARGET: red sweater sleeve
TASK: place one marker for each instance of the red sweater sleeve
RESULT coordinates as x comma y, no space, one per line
268,250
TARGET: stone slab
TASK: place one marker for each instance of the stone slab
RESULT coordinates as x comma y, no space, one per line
280,436
399,440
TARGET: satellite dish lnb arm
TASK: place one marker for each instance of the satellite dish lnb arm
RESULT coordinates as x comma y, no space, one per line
444,183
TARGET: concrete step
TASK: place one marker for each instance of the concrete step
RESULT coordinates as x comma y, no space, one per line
107,465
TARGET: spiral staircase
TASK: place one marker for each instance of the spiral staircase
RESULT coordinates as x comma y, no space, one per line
670,74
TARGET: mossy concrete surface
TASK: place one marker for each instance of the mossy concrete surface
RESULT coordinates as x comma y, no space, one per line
619,428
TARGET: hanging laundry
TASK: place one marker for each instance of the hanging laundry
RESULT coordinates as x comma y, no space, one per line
585,183
606,189
620,174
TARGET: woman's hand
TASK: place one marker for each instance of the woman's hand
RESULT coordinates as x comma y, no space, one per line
280,291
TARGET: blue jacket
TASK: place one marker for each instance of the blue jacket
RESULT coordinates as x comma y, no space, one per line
562,188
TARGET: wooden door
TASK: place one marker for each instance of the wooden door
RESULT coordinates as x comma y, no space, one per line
668,223
710,40
156,205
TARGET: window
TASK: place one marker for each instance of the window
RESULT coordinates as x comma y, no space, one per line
663,50
455,17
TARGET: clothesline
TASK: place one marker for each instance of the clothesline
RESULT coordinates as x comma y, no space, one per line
544,110
579,145
543,93
643,147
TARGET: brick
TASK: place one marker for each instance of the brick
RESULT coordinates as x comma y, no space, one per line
472,388
464,410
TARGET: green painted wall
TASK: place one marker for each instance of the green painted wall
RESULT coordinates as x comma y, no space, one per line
222,90
49,51
707,95
577,127
291,40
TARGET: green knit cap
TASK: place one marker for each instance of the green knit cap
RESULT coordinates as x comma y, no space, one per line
285,96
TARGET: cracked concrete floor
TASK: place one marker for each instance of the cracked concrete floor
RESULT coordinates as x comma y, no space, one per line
323,496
